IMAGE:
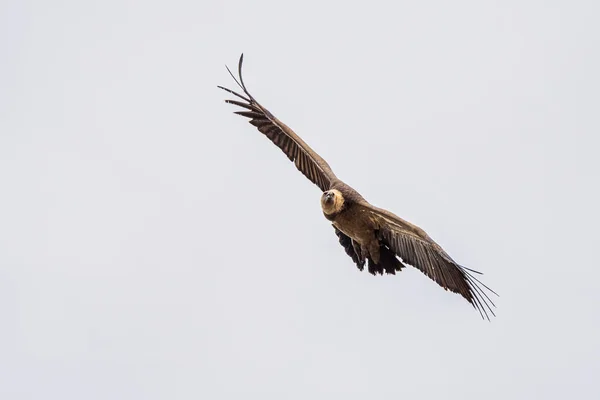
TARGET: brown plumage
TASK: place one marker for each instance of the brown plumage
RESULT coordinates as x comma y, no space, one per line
369,235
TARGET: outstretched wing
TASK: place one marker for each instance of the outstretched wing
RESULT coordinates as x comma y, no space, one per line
306,160
416,248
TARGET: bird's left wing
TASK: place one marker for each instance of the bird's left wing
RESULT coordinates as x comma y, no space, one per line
306,159
416,248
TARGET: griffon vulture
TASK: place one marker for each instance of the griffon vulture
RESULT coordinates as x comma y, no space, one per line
369,235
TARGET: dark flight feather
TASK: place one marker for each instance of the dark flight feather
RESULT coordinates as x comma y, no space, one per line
346,243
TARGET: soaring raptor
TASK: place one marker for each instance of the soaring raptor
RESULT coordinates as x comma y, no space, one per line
369,235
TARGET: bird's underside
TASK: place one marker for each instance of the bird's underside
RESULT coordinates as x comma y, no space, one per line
371,236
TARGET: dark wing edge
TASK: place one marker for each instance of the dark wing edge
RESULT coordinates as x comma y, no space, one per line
416,248
346,243
306,159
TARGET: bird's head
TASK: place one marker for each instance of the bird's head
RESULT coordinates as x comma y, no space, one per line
332,201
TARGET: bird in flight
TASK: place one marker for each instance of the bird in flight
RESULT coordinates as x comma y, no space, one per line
371,236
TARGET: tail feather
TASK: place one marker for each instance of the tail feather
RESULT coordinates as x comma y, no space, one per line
388,262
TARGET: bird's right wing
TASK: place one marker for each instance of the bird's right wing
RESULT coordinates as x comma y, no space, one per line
416,248
306,159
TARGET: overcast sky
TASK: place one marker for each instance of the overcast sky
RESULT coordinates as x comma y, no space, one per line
153,245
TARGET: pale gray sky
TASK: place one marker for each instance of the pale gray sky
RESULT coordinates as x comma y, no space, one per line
155,246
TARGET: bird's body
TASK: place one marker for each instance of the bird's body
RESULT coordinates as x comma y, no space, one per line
351,219
369,235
